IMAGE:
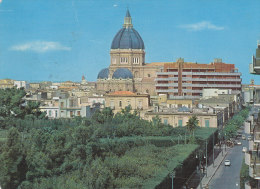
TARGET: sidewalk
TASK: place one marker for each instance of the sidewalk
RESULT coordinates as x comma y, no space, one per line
212,170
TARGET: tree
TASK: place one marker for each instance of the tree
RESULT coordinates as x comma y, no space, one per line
192,124
13,165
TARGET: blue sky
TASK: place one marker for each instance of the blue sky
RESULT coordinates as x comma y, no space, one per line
62,40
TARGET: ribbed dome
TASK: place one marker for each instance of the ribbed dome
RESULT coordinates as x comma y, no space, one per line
122,73
127,38
103,74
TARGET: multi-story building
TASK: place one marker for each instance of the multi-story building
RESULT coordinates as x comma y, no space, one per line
254,67
189,79
252,156
6,83
207,117
120,99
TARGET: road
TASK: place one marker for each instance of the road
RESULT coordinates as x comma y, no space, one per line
229,177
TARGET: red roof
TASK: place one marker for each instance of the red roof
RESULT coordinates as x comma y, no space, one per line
122,93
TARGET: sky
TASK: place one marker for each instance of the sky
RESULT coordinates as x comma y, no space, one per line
54,40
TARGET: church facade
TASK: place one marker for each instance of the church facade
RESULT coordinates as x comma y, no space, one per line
128,70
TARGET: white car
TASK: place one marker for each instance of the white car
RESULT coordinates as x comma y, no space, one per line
239,143
244,149
249,138
227,162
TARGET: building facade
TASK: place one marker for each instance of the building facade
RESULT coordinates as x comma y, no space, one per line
189,79
120,99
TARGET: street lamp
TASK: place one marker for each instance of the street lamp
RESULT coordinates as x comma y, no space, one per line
172,175
199,158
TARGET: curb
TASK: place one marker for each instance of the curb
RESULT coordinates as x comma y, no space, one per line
205,184
217,168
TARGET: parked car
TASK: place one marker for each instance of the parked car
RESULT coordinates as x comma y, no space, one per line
239,143
243,137
227,162
244,149
249,138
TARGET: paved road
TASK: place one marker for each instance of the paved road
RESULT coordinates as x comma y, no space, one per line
229,177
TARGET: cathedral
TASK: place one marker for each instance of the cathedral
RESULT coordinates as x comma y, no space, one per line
128,70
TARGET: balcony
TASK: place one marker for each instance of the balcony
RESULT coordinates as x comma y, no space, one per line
167,79
212,73
247,127
166,85
254,171
167,90
210,85
209,79
166,73
252,146
247,158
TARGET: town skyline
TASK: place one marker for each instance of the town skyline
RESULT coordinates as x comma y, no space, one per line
58,41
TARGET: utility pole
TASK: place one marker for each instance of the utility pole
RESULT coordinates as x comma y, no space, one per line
206,158
213,148
199,157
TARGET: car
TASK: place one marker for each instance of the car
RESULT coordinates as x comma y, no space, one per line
249,138
243,137
239,143
227,162
244,149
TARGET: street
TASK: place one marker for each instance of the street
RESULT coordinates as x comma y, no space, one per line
228,177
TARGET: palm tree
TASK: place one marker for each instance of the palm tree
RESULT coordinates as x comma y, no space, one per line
192,124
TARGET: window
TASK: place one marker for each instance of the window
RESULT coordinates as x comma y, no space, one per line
123,60
128,102
78,113
71,113
180,122
120,103
49,112
206,122
56,113
165,121
113,60
112,104
71,103
136,60
62,104
140,104
148,75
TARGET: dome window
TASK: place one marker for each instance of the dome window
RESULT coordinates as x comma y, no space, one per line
136,60
123,60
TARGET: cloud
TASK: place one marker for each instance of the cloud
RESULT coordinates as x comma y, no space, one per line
40,46
204,25
115,5
0,1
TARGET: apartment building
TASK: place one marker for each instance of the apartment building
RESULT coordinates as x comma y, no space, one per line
254,67
252,156
189,79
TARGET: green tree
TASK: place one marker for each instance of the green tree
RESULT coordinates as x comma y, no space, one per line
192,124
13,165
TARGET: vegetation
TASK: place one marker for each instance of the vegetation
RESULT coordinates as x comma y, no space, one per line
107,151
230,129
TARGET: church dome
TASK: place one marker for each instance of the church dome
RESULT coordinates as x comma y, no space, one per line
122,73
103,74
127,37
